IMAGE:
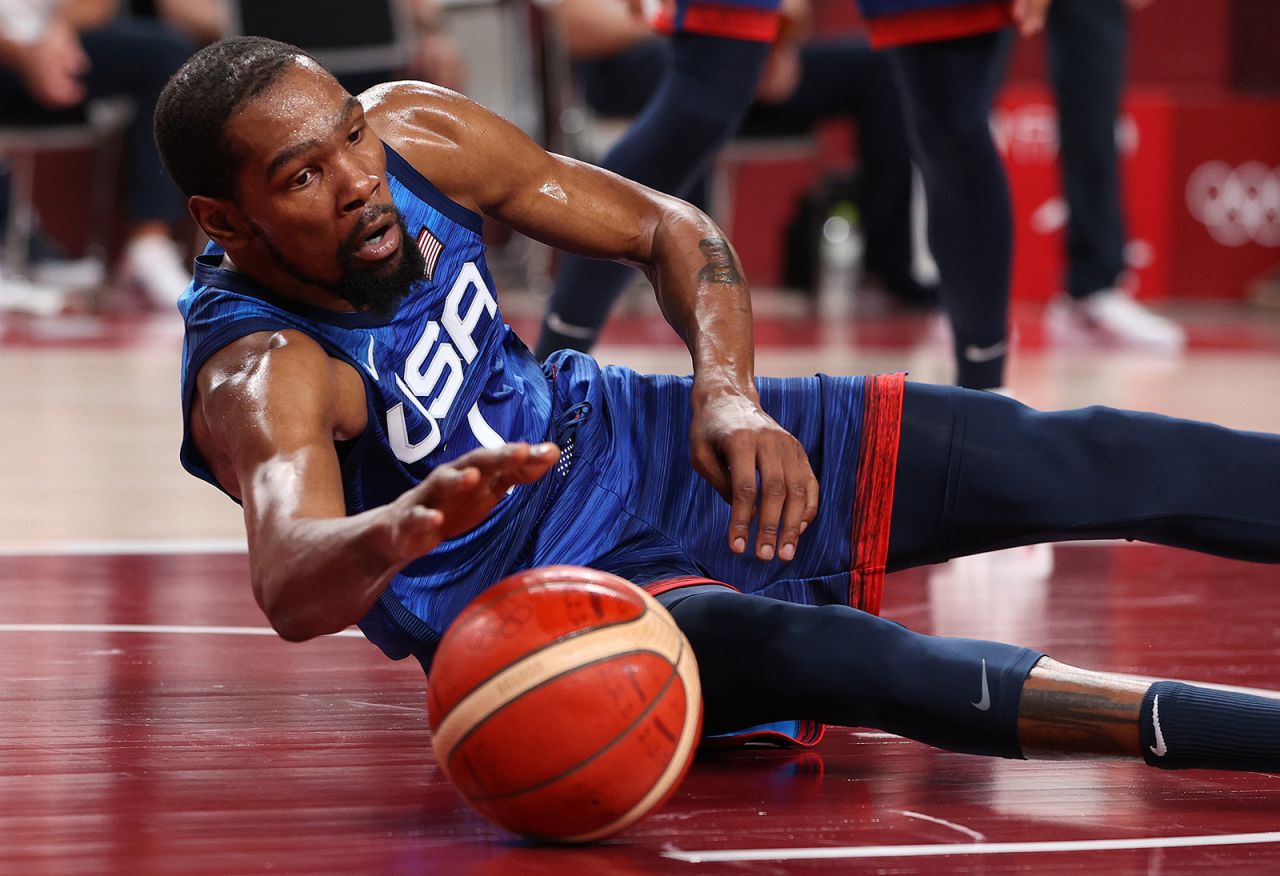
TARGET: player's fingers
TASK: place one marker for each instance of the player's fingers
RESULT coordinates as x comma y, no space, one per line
742,490
773,497
419,531
525,463
707,462
800,482
444,483
813,493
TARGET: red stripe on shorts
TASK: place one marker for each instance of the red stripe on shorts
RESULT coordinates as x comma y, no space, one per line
666,585
873,507
930,25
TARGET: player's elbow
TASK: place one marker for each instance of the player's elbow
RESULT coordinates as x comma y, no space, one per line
291,629
292,619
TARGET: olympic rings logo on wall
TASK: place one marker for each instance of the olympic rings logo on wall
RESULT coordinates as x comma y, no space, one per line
1237,205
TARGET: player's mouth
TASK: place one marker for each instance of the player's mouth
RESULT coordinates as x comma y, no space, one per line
379,241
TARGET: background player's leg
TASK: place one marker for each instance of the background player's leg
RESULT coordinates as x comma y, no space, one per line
1087,52
978,472
697,108
947,90
847,78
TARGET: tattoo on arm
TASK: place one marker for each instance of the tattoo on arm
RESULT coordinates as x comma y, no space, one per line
720,266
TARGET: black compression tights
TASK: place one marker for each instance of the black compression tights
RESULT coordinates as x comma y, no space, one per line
762,660
977,471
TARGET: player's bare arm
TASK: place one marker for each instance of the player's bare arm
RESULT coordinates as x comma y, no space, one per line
488,164
268,410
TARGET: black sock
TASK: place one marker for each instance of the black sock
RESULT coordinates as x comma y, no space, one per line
1188,727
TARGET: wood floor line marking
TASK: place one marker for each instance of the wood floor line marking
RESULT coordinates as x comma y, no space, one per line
941,849
159,629
178,547
128,547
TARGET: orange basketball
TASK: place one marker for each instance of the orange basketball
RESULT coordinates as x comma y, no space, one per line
564,703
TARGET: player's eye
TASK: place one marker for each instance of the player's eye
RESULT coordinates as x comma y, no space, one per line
355,136
302,178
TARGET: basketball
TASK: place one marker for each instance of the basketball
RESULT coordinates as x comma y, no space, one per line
564,704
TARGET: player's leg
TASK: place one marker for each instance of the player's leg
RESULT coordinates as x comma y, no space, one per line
846,78
977,472
947,90
1087,50
696,109
761,660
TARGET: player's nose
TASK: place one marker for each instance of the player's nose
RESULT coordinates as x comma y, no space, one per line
359,186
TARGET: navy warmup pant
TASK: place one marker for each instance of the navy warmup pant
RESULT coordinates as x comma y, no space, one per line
977,472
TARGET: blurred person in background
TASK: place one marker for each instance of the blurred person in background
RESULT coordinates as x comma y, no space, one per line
436,56
716,56
57,54
1088,45
620,62
948,59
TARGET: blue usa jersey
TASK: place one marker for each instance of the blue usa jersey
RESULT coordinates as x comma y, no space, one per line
443,375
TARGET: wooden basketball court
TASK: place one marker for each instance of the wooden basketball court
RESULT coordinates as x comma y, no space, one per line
153,724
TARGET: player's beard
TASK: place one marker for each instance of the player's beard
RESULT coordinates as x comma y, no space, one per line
361,287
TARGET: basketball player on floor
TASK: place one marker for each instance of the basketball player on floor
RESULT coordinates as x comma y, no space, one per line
348,378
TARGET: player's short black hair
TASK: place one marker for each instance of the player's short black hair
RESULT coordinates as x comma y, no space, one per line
191,115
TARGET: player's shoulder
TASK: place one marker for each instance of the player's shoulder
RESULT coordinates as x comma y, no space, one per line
409,111
442,134
259,357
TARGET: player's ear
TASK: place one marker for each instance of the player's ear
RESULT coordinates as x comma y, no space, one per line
218,218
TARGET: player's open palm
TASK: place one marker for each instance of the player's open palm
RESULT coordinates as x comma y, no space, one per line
759,468
457,496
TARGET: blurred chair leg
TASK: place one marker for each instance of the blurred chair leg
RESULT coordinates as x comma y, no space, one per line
21,222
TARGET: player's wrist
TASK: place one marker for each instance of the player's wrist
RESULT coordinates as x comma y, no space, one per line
711,385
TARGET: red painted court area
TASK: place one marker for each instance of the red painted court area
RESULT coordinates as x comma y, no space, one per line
151,725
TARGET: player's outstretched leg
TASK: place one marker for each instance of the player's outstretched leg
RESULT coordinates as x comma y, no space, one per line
762,660
978,472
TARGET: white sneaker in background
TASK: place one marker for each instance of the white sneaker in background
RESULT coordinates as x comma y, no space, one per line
1112,318
156,266
83,273
36,299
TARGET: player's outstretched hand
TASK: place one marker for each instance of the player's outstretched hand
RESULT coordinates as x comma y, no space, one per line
759,468
456,496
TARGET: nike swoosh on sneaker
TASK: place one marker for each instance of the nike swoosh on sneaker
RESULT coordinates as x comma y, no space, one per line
984,702
1159,749
556,324
974,353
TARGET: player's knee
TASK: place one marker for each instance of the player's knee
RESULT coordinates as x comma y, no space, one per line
1107,437
700,127
950,137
